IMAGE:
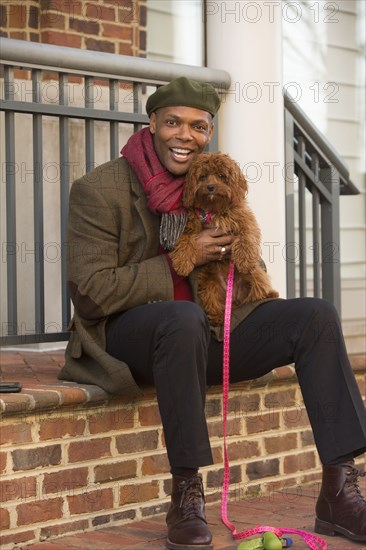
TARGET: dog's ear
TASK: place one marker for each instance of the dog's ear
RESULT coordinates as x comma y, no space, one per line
238,181
190,184
241,181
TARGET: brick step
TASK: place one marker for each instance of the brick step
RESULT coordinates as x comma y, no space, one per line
294,510
74,459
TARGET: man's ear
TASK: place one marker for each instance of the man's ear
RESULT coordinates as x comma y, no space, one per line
153,123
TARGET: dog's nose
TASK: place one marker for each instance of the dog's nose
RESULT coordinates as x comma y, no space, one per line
210,188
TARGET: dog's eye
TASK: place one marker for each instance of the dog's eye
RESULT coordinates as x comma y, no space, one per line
202,177
222,177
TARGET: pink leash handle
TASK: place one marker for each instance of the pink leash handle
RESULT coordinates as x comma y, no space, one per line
313,542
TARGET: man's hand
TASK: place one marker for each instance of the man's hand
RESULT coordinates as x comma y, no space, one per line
213,244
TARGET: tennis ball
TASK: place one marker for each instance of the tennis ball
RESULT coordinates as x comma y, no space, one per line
271,541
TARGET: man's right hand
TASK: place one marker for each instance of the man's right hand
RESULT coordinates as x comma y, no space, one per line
212,245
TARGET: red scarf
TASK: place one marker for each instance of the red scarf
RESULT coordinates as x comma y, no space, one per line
163,190
164,196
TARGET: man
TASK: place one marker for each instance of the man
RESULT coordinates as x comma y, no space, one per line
137,322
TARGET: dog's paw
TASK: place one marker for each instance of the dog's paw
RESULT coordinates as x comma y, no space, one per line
259,286
273,294
181,265
183,256
260,292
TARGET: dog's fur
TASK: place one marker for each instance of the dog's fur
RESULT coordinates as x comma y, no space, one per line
216,185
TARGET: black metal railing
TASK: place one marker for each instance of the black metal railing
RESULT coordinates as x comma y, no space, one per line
44,89
312,166
315,177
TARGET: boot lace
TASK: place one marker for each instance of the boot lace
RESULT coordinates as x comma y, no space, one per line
352,480
192,497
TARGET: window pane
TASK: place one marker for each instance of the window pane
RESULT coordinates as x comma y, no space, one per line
175,31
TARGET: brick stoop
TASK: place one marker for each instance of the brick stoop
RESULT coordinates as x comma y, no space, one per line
74,458
294,510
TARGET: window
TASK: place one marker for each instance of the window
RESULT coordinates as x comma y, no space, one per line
175,31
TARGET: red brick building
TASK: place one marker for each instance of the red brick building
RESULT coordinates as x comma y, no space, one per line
117,27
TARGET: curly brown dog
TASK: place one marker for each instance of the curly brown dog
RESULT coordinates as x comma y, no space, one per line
215,196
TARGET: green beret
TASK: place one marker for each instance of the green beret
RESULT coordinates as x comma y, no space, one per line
183,92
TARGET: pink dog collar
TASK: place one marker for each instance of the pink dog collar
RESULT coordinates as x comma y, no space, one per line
205,217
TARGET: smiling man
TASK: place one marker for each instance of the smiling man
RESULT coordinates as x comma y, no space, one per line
180,133
181,116
136,322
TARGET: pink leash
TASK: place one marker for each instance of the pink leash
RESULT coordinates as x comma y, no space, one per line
313,542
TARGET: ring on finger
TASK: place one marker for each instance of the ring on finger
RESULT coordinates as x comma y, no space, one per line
223,250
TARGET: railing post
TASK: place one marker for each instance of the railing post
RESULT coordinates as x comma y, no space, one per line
302,219
89,125
290,204
316,229
331,269
64,199
137,103
113,125
38,207
11,239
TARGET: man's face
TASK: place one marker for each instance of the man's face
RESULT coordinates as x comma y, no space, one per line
179,134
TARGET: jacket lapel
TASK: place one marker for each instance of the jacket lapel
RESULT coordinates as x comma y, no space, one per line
150,221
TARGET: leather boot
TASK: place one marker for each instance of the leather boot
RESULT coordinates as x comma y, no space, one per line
341,508
186,521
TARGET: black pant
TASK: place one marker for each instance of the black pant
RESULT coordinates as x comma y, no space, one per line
168,344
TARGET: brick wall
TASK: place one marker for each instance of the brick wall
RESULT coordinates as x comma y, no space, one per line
69,468
111,26
80,468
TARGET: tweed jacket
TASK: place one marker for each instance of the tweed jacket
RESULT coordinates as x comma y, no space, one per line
113,265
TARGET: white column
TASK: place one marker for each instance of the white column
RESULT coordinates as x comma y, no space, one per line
245,38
